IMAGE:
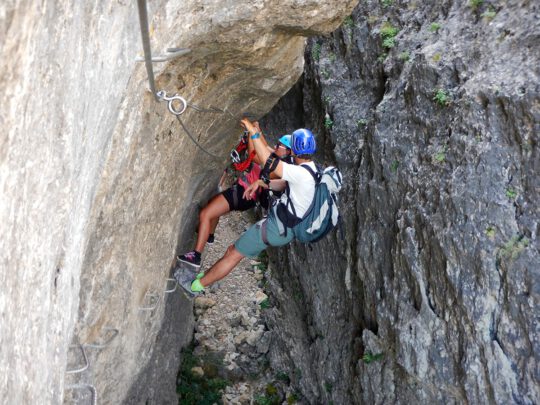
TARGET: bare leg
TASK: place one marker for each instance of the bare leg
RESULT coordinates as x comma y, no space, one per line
215,208
213,225
223,266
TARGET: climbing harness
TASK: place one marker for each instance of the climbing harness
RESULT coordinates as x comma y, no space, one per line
162,95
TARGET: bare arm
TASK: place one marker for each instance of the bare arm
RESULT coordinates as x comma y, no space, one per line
263,139
260,146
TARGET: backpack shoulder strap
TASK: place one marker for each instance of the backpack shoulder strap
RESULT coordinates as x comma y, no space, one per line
316,175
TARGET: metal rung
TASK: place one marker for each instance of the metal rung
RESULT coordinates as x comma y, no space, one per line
115,333
170,53
83,386
152,297
79,370
174,288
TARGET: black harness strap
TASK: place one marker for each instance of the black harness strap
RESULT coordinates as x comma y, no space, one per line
269,166
235,195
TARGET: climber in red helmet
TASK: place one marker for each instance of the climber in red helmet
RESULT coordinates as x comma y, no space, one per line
233,199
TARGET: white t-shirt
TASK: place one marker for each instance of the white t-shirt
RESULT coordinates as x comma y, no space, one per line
301,184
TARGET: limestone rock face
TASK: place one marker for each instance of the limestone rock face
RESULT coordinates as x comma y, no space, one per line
436,130
100,186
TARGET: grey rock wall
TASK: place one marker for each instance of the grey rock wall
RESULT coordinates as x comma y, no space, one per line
100,186
440,266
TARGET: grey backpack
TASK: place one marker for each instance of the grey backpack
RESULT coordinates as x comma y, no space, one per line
323,213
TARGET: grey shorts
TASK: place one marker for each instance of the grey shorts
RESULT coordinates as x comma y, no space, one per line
251,243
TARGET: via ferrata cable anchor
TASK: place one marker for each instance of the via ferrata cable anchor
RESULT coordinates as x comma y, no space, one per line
162,96
169,54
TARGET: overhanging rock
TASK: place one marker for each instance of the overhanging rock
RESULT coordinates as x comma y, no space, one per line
98,180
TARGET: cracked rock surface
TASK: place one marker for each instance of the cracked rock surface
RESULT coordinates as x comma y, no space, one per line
229,325
431,110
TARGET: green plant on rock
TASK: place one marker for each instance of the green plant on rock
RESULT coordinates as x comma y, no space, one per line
404,56
348,22
328,386
372,19
265,304
513,247
328,123
490,232
474,4
332,57
434,27
293,398
387,3
325,73
282,376
265,400
511,193
394,166
388,34
316,51
369,357
440,156
441,97
194,389
436,57
389,43
489,14
362,122
382,57
270,396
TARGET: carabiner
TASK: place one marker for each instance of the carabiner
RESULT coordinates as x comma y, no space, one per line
163,96
235,156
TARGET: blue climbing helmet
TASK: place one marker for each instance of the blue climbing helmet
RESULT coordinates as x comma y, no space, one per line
285,140
303,142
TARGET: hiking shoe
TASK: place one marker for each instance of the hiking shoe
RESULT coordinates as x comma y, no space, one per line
193,258
184,279
210,239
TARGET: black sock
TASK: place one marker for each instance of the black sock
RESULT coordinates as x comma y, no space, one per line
197,254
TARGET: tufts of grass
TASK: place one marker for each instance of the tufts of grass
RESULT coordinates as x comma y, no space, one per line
362,122
511,193
293,398
475,4
316,51
348,22
328,123
490,232
513,247
193,389
369,357
282,376
265,304
388,34
489,14
442,97
435,27
440,156
405,56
